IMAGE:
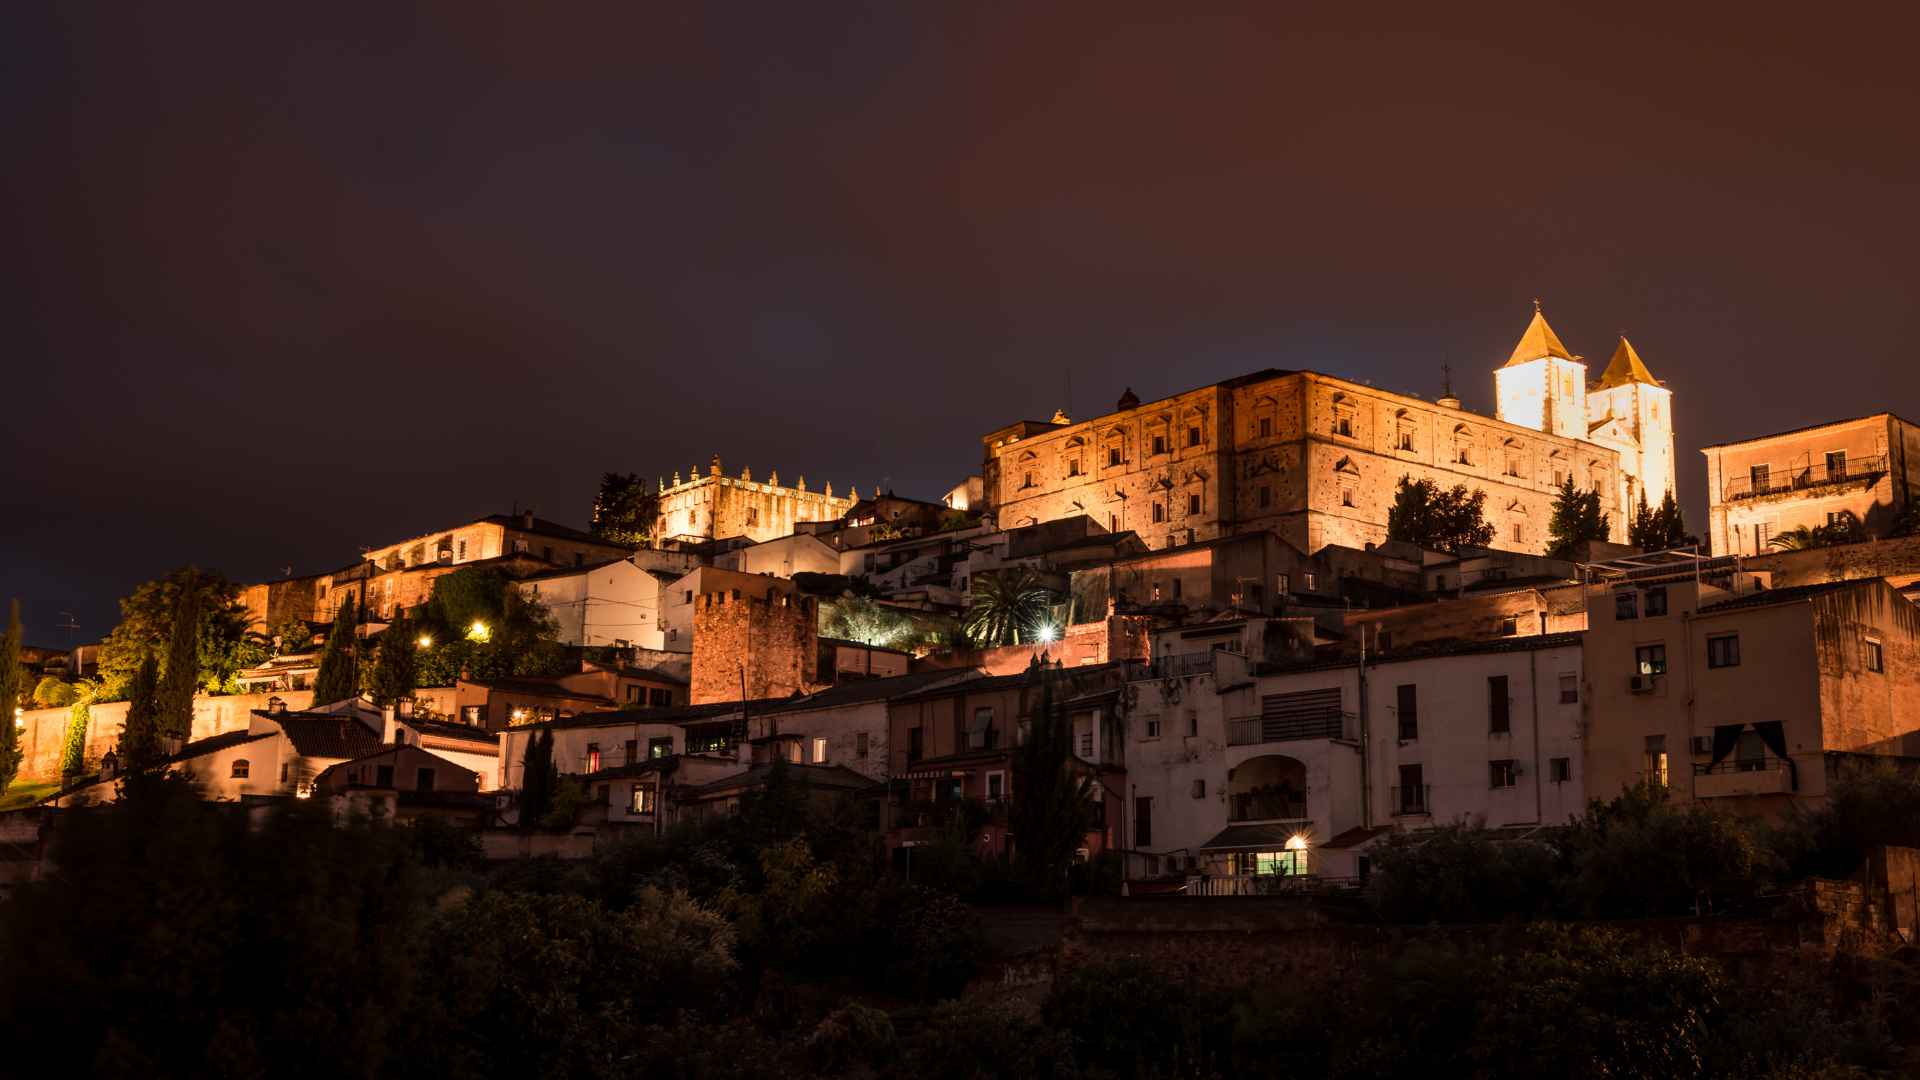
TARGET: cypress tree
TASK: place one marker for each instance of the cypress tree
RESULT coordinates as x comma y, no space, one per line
13,685
1052,806
73,754
173,713
537,779
1577,517
139,741
393,673
335,679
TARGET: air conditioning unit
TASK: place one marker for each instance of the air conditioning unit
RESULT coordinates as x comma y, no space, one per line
1640,684
1702,745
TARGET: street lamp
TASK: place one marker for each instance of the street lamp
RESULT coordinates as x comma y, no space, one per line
1047,632
425,641
479,631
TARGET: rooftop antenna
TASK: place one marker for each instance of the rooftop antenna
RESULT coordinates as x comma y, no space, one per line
287,570
69,624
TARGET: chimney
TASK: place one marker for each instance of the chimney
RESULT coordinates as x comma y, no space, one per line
390,729
526,519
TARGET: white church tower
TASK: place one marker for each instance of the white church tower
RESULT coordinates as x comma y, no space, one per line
1630,411
1543,386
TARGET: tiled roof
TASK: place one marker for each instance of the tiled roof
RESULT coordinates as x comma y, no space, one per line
215,743
320,735
543,527
678,714
444,729
1811,427
1793,594
572,571
832,776
1252,838
859,691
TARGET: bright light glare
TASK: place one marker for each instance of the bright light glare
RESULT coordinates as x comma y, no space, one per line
1048,632
425,641
479,631
1297,842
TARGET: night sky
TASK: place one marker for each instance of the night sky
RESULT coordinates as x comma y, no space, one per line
288,280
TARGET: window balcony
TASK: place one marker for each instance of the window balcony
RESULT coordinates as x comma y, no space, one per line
1413,801
1178,665
1254,730
1751,486
1267,806
1731,779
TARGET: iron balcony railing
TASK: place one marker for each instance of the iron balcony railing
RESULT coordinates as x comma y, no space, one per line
1412,801
1737,766
1253,730
1177,665
1771,482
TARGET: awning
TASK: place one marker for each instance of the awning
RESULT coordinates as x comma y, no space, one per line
1272,836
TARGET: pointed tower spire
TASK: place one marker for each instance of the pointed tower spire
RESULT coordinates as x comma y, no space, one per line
1624,368
1538,341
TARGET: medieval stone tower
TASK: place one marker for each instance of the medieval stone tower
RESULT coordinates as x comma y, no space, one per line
1543,385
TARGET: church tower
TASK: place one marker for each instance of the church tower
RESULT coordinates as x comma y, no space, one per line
1629,410
1542,385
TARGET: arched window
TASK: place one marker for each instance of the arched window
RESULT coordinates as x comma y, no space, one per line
240,768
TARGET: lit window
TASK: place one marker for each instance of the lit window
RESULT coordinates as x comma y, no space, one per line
642,799
819,751
1650,659
1655,760
593,757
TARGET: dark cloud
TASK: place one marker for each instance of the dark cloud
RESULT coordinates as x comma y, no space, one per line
285,282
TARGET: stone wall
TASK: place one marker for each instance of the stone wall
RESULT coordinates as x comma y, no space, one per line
714,506
772,638
1896,559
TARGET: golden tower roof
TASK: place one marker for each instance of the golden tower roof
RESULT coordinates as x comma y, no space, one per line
1624,368
1539,341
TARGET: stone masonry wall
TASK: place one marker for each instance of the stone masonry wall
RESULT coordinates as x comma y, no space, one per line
773,638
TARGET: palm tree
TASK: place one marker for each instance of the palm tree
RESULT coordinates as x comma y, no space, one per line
1006,605
1798,538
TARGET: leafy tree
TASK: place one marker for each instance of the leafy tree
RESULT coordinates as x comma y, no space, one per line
1577,518
179,675
480,623
1660,529
291,636
335,680
1008,605
1438,520
12,690
1461,873
857,618
1640,855
1052,806
393,671
625,509
146,628
51,692
140,737
1124,1017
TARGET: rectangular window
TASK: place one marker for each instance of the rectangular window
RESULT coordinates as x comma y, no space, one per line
1758,476
1159,512
1406,439
1113,455
1343,425
1193,504
1499,706
1411,795
1073,467
1407,707
1509,625
1519,532
1560,770
1199,789
860,745
1750,753
1143,821
1569,688
1723,650
819,751
1876,657
1346,496
1656,601
1654,761
383,776
1837,465
1193,436
1266,496
1281,585
1153,727
916,747
593,757
753,515
633,751
423,780
1266,426
1650,659
1626,605
1193,721
996,786
1159,444
642,800
1500,774
473,715
660,746
460,553
659,697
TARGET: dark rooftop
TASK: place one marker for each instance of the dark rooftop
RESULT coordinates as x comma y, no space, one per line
1792,594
